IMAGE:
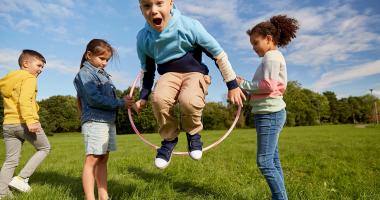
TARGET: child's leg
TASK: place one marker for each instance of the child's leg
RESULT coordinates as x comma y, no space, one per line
277,163
101,177
12,156
164,98
192,101
99,139
88,176
268,127
41,144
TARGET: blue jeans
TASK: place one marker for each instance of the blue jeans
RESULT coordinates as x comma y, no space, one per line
268,128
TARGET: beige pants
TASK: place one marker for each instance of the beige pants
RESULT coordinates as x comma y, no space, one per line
189,90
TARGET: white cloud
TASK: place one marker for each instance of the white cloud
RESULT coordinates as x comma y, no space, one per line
22,25
8,59
331,33
341,76
61,66
38,9
48,18
223,15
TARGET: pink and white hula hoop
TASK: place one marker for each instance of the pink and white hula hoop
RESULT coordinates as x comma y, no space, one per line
175,152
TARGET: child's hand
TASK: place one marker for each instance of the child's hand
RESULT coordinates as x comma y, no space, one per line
236,96
139,105
34,128
128,101
239,79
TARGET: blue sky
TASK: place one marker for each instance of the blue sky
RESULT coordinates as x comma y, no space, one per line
337,47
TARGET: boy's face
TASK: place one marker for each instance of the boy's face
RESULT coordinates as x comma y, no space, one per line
99,61
157,13
33,65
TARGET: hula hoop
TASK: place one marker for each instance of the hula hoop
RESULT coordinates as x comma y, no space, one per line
228,132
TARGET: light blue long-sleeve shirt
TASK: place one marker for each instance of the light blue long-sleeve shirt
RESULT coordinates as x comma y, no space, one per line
181,35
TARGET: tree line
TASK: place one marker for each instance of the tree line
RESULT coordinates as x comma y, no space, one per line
304,108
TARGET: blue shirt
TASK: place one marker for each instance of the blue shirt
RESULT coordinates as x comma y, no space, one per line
178,48
97,94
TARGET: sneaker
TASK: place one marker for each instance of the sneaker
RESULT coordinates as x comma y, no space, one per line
194,146
20,184
164,153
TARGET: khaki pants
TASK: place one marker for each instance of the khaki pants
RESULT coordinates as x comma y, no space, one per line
189,90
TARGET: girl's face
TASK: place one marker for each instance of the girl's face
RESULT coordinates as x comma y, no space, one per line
157,13
98,60
262,44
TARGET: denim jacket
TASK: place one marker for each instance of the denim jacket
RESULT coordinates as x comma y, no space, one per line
97,94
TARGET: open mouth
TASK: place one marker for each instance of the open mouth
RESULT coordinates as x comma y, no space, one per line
157,21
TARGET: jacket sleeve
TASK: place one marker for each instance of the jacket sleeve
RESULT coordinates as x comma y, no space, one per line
28,92
270,83
148,78
94,97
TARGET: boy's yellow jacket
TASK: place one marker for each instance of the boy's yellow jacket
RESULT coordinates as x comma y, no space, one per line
19,91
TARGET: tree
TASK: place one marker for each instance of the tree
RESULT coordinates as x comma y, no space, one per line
296,105
145,121
333,104
2,113
59,114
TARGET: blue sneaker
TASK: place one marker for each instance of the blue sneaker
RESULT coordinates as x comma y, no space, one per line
164,153
194,145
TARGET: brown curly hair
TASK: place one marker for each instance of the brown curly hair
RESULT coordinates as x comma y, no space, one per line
282,28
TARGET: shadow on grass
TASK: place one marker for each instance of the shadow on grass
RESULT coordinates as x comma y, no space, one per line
74,185
185,187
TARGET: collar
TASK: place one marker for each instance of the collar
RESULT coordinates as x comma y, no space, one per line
89,66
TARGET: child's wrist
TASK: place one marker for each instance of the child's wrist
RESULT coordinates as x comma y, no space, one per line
232,84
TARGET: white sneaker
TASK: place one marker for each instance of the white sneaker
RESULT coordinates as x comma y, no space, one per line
20,184
161,163
196,154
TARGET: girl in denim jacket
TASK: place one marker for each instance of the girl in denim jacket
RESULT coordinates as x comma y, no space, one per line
98,104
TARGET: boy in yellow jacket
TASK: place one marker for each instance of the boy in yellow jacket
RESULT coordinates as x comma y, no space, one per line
21,121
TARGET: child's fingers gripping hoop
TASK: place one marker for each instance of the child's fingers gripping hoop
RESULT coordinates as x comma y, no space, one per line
228,132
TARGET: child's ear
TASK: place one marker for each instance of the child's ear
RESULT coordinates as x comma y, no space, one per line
269,39
25,63
88,55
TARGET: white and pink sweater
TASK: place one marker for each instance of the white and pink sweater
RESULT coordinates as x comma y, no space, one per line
268,85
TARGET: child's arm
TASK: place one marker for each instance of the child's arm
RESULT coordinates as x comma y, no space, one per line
215,51
148,65
212,47
27,109
270,83
95,97
148,78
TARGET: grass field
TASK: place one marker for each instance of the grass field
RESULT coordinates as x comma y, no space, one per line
325,162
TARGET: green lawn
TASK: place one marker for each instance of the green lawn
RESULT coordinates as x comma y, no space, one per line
325,162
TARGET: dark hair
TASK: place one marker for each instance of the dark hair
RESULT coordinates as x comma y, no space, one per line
27,53
97,47
282,28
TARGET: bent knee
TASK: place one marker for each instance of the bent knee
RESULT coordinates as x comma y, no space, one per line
191,106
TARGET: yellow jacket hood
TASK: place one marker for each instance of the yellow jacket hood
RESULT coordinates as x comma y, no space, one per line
8,82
